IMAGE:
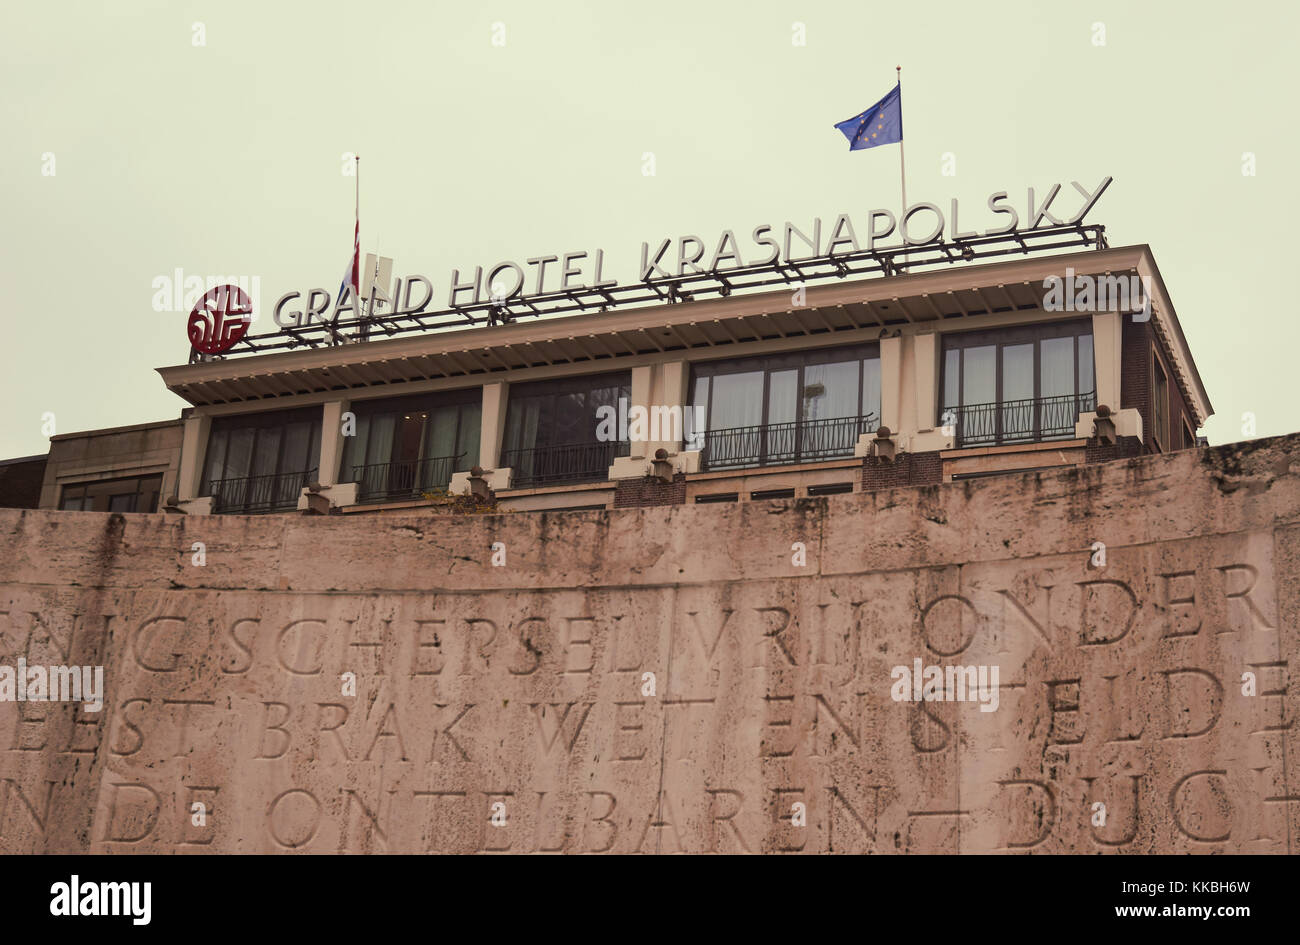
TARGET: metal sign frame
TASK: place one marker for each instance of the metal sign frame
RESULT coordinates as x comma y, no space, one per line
885,262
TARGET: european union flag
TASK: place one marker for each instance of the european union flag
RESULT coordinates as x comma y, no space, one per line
882,123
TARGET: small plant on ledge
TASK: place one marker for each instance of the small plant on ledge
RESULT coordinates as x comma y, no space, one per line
444,503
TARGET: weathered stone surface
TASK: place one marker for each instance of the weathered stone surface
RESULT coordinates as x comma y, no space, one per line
524,685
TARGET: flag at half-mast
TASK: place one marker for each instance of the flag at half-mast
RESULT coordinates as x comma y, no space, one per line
882,123
352,275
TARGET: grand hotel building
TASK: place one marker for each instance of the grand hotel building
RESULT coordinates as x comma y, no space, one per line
853,385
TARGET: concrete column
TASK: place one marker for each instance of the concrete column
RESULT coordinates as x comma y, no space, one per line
331,443
194,446
493,424
641,378
1107,345
925,379
674,390
925,434
891,383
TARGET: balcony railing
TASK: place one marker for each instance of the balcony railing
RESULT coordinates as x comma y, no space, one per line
410,479
1019,421
550,465
252,494
777,444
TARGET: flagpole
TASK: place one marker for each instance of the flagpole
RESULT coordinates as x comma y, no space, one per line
902,162
360,302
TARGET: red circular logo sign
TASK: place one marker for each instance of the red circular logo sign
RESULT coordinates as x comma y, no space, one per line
219,319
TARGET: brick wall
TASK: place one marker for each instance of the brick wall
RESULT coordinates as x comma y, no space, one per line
1124,448
1136,384
20,483
638,493
909,469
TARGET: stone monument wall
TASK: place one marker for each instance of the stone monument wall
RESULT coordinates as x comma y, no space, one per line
1114,644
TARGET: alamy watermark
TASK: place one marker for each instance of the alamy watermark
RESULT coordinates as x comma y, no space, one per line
23,683
102,899
179,292
656,423
946,684
1097,294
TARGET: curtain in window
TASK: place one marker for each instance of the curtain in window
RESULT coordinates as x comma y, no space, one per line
1058,366
777,441
266,453
1086,380
526,421
694,432
871,391
216,458
467,443
782,397
440,436
951,375
297,448
839,390
439,446
573,420
979,381
354,449
239,454
379,448
737,401
1018,392
979,387
830,393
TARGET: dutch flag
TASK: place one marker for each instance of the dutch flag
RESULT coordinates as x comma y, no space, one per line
352,275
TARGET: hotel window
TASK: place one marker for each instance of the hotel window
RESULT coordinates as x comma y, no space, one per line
788,408
134,494
1017,385
407,446
1189,436
554,435
261,462
1160,389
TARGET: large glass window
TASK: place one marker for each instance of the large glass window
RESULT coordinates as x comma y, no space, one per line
787,408
1017,385
260,462
406,446
554,432
133,494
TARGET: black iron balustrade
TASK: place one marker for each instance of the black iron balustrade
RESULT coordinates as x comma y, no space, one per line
408,479
549,465
1029,420
277,492
778,444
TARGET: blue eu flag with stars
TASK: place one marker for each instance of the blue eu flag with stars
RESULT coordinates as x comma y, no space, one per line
882,123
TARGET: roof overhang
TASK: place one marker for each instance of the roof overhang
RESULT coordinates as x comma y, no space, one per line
606,340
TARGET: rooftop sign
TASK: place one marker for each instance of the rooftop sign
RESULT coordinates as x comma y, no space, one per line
687,267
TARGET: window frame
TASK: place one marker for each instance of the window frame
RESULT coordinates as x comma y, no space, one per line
1009,337
775,363
260,423
553,388
1160,430
93,490
426,403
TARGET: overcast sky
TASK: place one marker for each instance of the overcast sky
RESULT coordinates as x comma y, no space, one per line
225,158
